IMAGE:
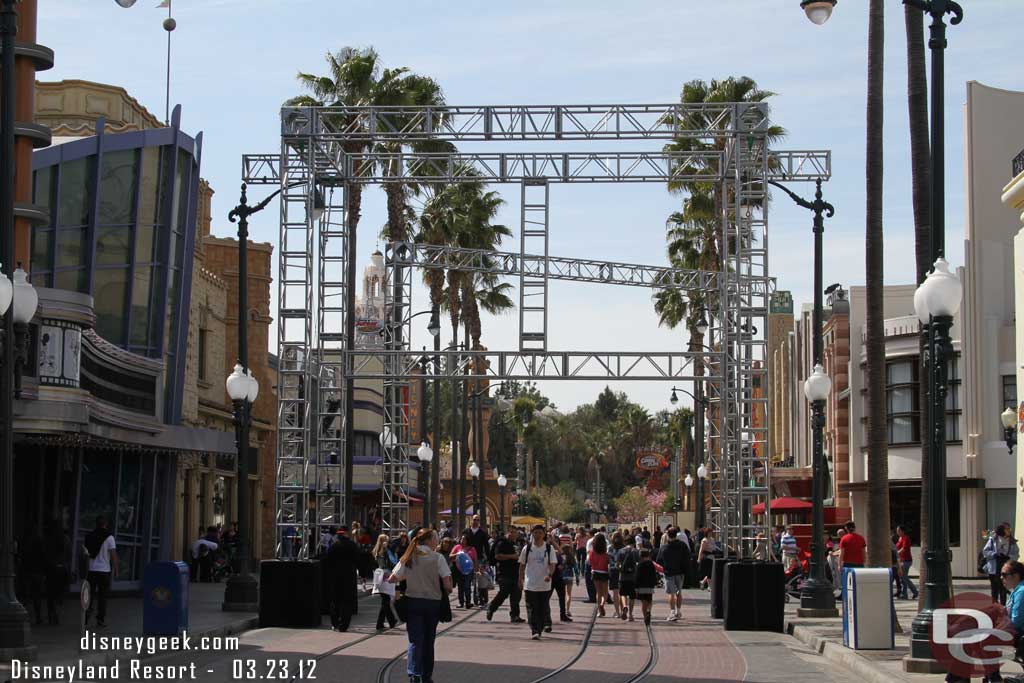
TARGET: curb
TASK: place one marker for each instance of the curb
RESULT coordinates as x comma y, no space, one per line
836,652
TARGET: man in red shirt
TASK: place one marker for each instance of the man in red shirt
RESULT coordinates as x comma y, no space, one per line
851,548
906,559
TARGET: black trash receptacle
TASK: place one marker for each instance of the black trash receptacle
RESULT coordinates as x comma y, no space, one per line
290,593
770,596
717,573
738,596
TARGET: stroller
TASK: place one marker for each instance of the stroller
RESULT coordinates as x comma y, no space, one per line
797,574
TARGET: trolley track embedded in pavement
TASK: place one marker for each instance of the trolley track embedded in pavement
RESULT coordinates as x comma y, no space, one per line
384,674
579,652
652,657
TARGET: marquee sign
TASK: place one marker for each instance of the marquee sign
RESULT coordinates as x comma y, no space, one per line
651,461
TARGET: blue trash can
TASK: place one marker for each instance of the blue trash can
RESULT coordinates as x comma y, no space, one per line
165,598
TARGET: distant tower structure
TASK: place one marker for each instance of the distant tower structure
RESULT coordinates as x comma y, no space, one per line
370,306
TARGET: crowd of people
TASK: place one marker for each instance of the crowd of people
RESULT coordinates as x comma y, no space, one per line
422,576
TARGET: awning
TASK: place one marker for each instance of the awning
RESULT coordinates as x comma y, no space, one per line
781,505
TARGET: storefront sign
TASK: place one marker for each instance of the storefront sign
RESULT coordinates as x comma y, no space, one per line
651,461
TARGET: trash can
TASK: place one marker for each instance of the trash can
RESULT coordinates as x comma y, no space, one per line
868,611
290,593
717,592
165,598
738,597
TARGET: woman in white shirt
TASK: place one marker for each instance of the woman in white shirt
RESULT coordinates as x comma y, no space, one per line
426,574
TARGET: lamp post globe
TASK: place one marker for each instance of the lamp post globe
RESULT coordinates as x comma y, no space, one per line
6,294
702,325
818,385
254,388
237,384
25,298
502,481
688,482
674,398
387,438
474,470
702,472
1008,418
425,453
941,292
818,11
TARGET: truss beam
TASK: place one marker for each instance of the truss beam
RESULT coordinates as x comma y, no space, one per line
519,167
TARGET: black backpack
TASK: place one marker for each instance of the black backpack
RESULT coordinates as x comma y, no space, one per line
627,571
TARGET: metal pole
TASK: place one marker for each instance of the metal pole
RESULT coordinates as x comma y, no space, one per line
423,434
937,556
699,401
481,459
240,591
15,632
817,592
464,446
520,474
435,465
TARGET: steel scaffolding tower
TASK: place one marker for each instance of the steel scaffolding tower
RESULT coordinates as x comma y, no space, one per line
314,371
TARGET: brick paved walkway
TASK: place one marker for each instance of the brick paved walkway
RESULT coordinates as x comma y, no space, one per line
473,650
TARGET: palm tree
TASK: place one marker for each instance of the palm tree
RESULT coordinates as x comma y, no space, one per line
878,464
920,149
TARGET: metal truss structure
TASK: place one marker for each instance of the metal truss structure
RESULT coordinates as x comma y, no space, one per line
319,146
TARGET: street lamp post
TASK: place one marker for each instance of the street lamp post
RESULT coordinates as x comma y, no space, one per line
816,596
1009,419
502,483
702,474
474,471
240,592
688,482
426,455
936,301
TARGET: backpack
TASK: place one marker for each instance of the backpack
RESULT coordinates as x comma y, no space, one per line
982,563
547,549
629,565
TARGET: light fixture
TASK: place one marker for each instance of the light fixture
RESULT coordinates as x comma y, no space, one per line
387,438
502,481
702,472
254,388
434,326
674,398
818,385
25,297
1009,420
125,3
425,453
688,482
702,325
474,470
818,11
317,212
237,384
939,295
6,292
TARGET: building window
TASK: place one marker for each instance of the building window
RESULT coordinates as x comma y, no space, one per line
202,354
953,408
1009,393
902,413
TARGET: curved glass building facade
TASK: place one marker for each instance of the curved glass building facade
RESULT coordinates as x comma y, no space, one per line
122,229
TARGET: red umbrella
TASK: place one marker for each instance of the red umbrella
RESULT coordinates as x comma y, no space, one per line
785,504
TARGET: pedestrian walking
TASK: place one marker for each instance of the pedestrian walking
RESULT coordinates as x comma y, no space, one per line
597,558
617,546
628,562
1000,548
557,585
657,538
386,562
102,551
646,580
464,579
342,570
570,575
536,567
427,580
895,574
674,557
708,548
906,560
851,548
506,560
790,549
588,574
202,555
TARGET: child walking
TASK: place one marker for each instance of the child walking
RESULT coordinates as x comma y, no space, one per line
646,581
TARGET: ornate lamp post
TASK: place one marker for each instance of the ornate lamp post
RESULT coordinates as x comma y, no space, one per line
688,482
426,454
936,301
1009,420
502,483
816,596
474,471
702,474
240,592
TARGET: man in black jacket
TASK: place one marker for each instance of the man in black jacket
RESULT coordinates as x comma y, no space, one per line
342,561
506,558
674,557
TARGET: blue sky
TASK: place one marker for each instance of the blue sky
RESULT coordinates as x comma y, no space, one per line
234,62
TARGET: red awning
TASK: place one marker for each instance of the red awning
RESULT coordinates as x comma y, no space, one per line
781,505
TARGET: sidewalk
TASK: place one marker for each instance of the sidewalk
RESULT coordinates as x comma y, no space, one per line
60,644
825,636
